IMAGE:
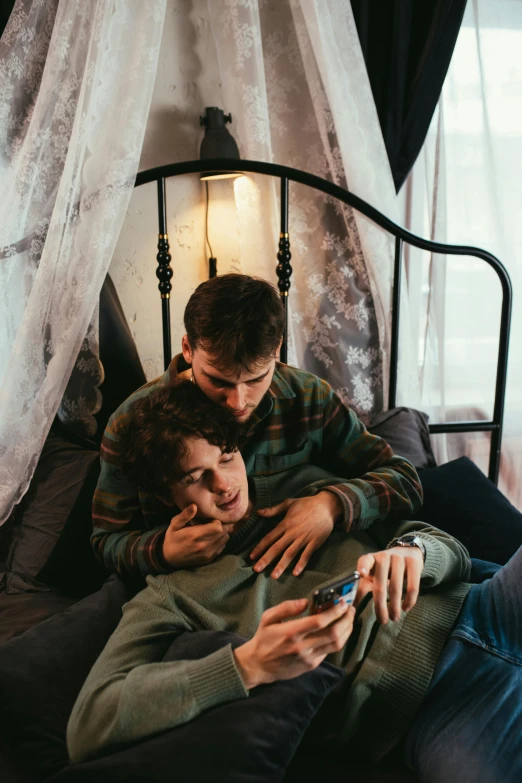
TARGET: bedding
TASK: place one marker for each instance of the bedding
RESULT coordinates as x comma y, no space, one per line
461,500
47,663
407,432
47,666
260,734
41,673
43,512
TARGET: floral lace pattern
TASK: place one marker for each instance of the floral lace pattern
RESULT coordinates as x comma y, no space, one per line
63,69
278,70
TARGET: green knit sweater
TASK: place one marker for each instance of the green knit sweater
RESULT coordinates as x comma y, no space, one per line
131,694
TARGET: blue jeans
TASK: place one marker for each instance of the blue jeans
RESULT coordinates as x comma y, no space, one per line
469,726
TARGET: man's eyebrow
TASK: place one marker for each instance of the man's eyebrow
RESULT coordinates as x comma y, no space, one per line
229,383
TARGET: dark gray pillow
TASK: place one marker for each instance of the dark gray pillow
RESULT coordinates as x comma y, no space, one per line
41,673
41,516
245,741
407,432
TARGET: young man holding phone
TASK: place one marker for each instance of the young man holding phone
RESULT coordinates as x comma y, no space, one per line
428,657
234,328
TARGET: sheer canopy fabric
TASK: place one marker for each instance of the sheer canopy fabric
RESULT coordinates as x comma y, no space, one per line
466,188
76,81
294,79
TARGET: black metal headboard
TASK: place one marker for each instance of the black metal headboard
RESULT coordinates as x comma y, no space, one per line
284,273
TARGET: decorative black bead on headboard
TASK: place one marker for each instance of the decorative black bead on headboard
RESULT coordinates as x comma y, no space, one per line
283,269
164,271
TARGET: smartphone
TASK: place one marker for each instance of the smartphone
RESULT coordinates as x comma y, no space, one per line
331,594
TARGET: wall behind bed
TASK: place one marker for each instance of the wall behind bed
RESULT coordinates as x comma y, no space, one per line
187,61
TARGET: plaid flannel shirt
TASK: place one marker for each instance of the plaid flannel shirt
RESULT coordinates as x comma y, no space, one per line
299,420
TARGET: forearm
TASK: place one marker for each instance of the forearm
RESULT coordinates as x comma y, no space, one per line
377,483
120,538
131,693
119,708
130,552
390,491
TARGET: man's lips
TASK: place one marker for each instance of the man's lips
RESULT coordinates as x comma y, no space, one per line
232,503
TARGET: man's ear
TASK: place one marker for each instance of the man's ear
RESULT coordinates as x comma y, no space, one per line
278,351
186,349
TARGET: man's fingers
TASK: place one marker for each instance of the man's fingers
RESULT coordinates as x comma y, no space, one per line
380,589
271,553
283,611
183,518
396,586
265,543
289,554
365,564
305,557
334,637
273,511
413,572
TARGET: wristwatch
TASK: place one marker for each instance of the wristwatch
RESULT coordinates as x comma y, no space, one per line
409,540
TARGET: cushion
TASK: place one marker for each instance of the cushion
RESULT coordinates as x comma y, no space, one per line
72,566
41,673
22,611
461,500
250,739
123,371
407,432
43,512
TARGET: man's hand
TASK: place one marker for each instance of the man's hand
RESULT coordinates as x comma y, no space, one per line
193,545
283,650
389,571
306,526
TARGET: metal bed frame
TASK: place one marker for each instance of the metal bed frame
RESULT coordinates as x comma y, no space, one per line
284,272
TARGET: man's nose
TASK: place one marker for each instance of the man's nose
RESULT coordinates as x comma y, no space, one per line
236,398
220,483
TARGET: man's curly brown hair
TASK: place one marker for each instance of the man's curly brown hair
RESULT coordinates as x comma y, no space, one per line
157,429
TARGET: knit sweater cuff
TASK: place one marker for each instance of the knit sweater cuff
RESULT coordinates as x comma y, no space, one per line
150,553
215,679
436,561
351,504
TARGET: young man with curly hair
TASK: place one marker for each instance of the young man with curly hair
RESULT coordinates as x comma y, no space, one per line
234,328
429,659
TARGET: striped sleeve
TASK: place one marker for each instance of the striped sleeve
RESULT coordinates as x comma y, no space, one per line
120,538
379,483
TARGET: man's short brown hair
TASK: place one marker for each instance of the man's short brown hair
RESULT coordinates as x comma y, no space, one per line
238,319
157,430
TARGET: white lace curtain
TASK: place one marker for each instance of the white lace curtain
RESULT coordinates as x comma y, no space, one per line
466,188
76,83
293,77
76,80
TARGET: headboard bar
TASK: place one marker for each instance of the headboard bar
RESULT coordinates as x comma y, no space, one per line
394,341
284,271
164,270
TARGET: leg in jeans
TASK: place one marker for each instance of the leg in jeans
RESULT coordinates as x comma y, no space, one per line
469,727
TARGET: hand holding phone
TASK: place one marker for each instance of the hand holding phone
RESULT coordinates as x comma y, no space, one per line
332,593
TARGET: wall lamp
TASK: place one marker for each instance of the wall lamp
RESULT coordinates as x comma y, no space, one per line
217,142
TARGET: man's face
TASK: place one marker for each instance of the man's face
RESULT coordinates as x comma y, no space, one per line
240,395
215,482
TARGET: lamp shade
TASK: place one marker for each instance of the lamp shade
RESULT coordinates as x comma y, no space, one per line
217,142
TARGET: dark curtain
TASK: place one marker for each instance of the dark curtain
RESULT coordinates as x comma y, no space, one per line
407,46
6,6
